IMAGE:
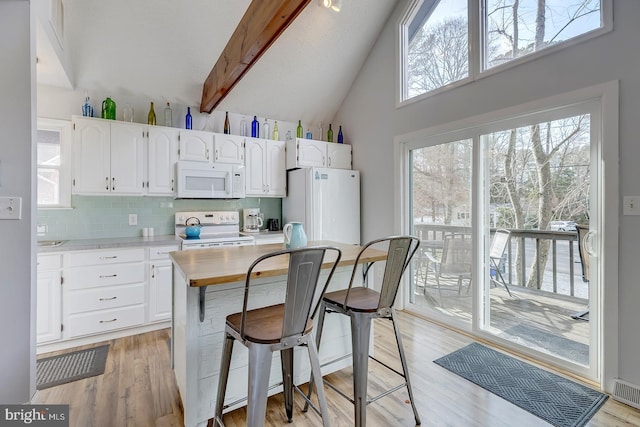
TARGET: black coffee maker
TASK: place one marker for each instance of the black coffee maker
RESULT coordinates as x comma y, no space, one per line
273,224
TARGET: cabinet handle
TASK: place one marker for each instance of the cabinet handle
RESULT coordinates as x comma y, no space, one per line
106,277
267,188
107,299
109,321
172,185
323,159
107,179
329,161
113,185
153,271
109,257
207,154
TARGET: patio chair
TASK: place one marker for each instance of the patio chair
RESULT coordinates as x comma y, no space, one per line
584,261
498,245
455,261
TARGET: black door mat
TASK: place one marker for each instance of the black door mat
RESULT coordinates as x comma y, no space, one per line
68,367
557,400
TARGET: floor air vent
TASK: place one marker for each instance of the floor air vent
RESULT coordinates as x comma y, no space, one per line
626,393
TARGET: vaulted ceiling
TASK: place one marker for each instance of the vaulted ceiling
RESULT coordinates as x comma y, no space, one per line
165,49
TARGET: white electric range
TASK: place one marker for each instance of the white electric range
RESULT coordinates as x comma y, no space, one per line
218,228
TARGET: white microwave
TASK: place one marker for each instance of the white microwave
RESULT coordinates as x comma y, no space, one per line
209,180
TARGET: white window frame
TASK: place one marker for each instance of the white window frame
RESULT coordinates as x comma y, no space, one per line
64,128
476,48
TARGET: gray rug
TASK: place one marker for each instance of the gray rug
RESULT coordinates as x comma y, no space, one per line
548,342
557,400
68,367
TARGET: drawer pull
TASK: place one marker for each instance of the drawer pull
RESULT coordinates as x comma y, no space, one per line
108,321
109,257
107,299
106,277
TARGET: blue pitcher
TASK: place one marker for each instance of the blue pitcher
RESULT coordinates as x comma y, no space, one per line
294,236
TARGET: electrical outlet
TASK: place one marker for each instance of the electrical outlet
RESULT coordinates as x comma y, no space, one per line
133,219
631,205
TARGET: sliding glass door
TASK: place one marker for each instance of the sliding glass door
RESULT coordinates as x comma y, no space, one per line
508,213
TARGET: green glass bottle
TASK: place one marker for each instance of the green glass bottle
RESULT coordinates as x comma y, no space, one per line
330,134
151,118
276,133
299,129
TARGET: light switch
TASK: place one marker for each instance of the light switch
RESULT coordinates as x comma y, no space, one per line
10,207
133,219
631,205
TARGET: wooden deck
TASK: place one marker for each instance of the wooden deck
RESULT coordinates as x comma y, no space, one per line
538,319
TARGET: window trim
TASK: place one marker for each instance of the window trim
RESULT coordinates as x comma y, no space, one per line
477,26
64,127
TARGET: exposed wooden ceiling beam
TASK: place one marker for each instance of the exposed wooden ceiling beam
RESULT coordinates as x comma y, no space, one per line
261,25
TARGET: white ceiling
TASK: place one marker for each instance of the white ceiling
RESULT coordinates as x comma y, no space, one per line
163,50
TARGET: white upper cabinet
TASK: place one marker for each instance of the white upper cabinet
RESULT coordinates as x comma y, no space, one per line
196,146
266,173
228,149
311,153
108,157
339,156
162,156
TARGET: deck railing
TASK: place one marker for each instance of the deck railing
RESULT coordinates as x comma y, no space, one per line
558,275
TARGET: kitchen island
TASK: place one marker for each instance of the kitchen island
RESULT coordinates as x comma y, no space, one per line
208,286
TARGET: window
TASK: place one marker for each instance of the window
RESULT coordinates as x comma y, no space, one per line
441,45
53,162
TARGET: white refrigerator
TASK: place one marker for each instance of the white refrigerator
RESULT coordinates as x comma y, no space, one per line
326,201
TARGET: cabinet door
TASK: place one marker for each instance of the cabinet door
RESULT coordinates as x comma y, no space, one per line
195,145
311,153
161,168
127,158
49,306
276,169
91,156
228,149
160,288
339,156
255,184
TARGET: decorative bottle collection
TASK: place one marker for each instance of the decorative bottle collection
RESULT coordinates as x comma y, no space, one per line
227,126
188,119
109,112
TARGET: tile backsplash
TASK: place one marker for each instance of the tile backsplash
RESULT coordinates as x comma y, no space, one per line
108,216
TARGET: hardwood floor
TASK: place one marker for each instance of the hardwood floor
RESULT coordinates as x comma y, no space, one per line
138,388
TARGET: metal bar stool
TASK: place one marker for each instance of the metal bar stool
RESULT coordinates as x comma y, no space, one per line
363,305
278,328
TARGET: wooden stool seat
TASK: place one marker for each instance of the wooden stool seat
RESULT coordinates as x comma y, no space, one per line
360,299
263,325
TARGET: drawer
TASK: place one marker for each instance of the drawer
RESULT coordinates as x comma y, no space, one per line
161,252
105,257
105,275
106,297
49,262
105,320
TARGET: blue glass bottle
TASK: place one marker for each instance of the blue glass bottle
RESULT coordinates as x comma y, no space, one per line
187,119
340,138
255,128
309,135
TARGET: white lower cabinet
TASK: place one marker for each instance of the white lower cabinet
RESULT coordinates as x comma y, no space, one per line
105,290
160,283
49,298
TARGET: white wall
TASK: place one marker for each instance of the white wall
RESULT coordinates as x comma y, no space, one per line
373,120
17,274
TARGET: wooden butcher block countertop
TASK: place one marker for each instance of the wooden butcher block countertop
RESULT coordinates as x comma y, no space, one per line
217,266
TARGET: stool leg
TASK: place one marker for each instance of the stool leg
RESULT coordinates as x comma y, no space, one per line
225,362
259,367
360,334
321,313
315,369
286,359
405,368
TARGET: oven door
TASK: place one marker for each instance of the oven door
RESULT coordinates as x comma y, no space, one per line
204,181
189,246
